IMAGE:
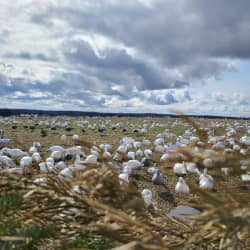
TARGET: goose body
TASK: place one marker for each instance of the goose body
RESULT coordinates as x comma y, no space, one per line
124,177
26,161
180,169
36,157
181,186
158,178
56,148
147,196
91,159
6,162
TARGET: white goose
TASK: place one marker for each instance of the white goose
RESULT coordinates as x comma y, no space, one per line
90,159
147,196
26,161
181,186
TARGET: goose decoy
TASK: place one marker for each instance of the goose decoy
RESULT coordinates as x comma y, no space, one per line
158,178
44,132
63,138
147,196
181,186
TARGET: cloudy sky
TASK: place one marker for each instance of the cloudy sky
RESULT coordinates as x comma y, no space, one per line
126,56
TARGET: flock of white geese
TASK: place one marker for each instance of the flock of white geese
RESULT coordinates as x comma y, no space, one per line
138,155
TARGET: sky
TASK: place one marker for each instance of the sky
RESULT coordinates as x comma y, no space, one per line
160,56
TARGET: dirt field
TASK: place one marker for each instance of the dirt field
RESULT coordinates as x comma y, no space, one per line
164,197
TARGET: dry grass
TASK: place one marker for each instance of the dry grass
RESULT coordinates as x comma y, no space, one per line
104,207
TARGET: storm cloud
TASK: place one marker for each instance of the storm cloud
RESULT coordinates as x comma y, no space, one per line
94,53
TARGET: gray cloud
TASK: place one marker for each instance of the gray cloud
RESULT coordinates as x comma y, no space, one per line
116,62
96,53
175,33
28,56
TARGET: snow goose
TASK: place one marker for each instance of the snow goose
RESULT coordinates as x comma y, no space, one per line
26,161
152,170
90,159
63,138
56,148
147,196
131,155
6,162
206,181
134,164
123,177
180,169
181,186
36,157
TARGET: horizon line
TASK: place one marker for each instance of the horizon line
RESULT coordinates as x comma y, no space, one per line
18,111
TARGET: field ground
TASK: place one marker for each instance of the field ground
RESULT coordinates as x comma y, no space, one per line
165,198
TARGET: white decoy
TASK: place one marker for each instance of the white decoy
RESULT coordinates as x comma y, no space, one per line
146,142
106,156
117,157
76,189
4,141
131,155
78,164
75,137
137,144
159,141
6,162
40,180
236,147
225,171
63,138
95,152
33,149
206,181
180,169
147,196
164,157
26,161
60,165
139,153
44,168
57,155
73,151
208,163
152,170
90,159
192,168
134,164
127,169
122,149
245,177
148,153
50,160
123,177
243,151
14,153
245,140
36,157
56,148
159,149
66,173
37,144
181,186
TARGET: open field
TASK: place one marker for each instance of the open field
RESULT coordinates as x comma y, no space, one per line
212,145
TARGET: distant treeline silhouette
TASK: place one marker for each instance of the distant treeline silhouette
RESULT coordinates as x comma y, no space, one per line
9,112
